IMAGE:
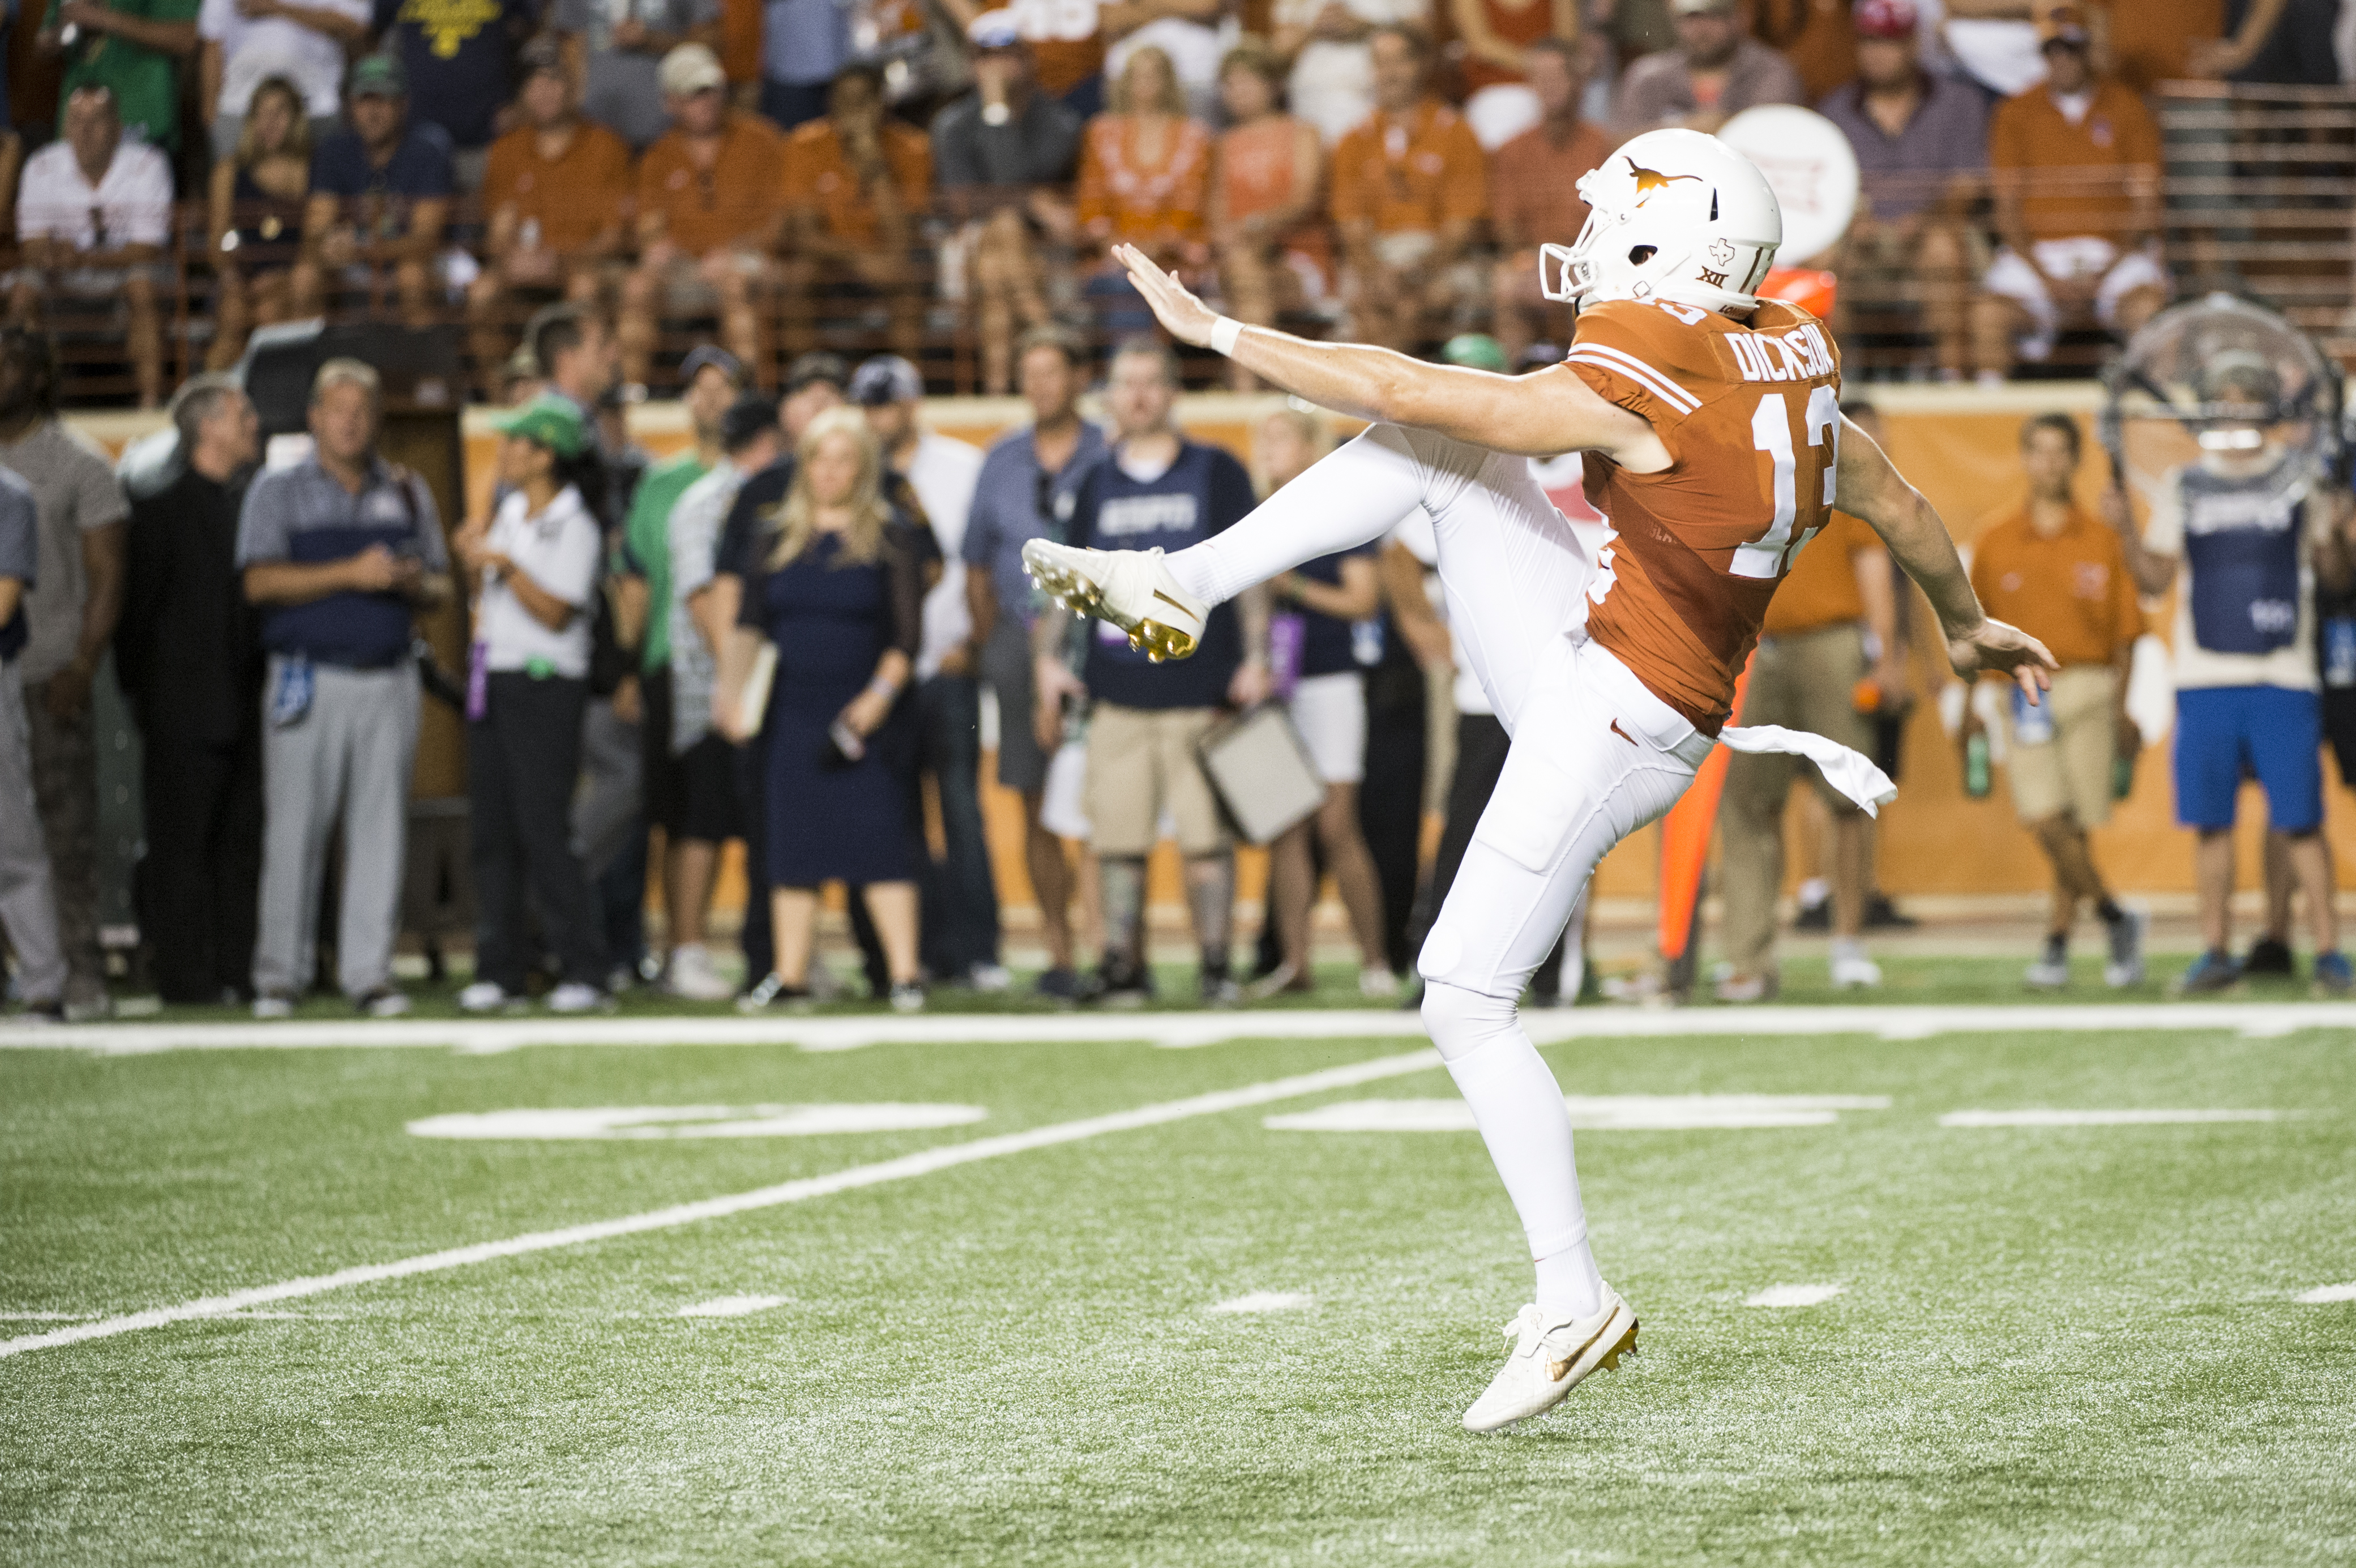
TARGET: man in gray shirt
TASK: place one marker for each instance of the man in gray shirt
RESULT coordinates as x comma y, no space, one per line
1024,491
27,907
614,54
338,552
1916,135
1713,74
69,614
1000,156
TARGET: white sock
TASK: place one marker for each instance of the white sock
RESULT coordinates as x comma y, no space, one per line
1518,1107
1351,496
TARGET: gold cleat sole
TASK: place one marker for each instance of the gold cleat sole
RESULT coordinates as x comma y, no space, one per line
1077,594
1627,1347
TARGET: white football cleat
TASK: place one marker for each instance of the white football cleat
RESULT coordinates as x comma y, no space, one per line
1130,588
1549,1360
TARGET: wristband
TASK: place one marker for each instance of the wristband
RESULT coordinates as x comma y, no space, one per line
1224,332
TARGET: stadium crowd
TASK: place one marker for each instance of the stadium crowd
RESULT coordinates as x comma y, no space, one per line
904,174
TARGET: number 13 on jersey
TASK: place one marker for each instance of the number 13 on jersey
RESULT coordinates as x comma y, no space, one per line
1771,431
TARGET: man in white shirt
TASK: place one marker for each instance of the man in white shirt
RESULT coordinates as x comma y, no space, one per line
960,901
93,215
245,43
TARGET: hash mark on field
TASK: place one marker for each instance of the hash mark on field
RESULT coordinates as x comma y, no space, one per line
1793,1296
1262,1301
2323,1293
923,1162
2046,1118
731,1306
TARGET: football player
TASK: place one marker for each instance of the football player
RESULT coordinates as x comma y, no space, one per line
1716,447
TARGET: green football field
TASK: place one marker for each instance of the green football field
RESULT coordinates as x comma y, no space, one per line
1047,1291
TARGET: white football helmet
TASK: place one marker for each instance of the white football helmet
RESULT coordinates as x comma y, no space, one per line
1673,215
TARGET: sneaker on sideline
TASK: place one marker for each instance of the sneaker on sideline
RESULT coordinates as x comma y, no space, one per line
2126,933
384,1002
483,996
2051,970
1058,985
693,977
574,998
270,1006
1852,970
2270,956
2212,972
907,997
2333,974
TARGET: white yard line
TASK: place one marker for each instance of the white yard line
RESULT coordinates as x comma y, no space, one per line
1178,1031
1262,1301
1793,1296
2045,1117
2324,1294
731,1306
923,1162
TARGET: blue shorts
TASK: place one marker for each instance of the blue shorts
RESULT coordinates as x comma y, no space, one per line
2227,734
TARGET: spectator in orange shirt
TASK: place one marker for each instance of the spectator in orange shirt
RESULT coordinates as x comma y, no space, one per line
707,219
1145,167
1410,188
1831,627
858,184
1533,195
1498,34
2075,163
2061,576
1266,196
557,190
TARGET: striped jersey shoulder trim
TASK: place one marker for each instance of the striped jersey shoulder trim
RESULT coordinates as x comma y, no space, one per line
1604,357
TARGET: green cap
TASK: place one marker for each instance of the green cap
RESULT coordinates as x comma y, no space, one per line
379,76
550,422
1477,350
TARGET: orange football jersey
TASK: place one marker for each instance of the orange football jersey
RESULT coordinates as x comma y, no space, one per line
1750,415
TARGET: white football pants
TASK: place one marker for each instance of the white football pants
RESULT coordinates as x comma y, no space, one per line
1594,756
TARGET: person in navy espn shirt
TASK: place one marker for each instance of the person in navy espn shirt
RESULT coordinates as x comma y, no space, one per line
1157,491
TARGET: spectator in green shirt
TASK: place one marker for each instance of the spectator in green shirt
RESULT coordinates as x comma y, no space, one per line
134,47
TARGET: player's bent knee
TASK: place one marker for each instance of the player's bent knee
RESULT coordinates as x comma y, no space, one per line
1461,1021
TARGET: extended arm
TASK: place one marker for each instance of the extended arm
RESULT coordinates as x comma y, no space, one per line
1542,415
1874,491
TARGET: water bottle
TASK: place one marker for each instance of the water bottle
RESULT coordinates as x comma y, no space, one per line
1976,779
2032,723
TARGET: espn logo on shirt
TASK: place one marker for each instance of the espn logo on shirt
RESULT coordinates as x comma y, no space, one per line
1124,516
1799,355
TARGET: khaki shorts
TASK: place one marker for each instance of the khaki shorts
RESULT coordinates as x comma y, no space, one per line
1808,681
1140,760
2070,772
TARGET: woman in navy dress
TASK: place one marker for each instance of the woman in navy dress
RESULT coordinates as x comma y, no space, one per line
842,598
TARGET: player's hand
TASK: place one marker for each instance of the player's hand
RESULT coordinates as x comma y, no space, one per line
1186,319
1995,648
